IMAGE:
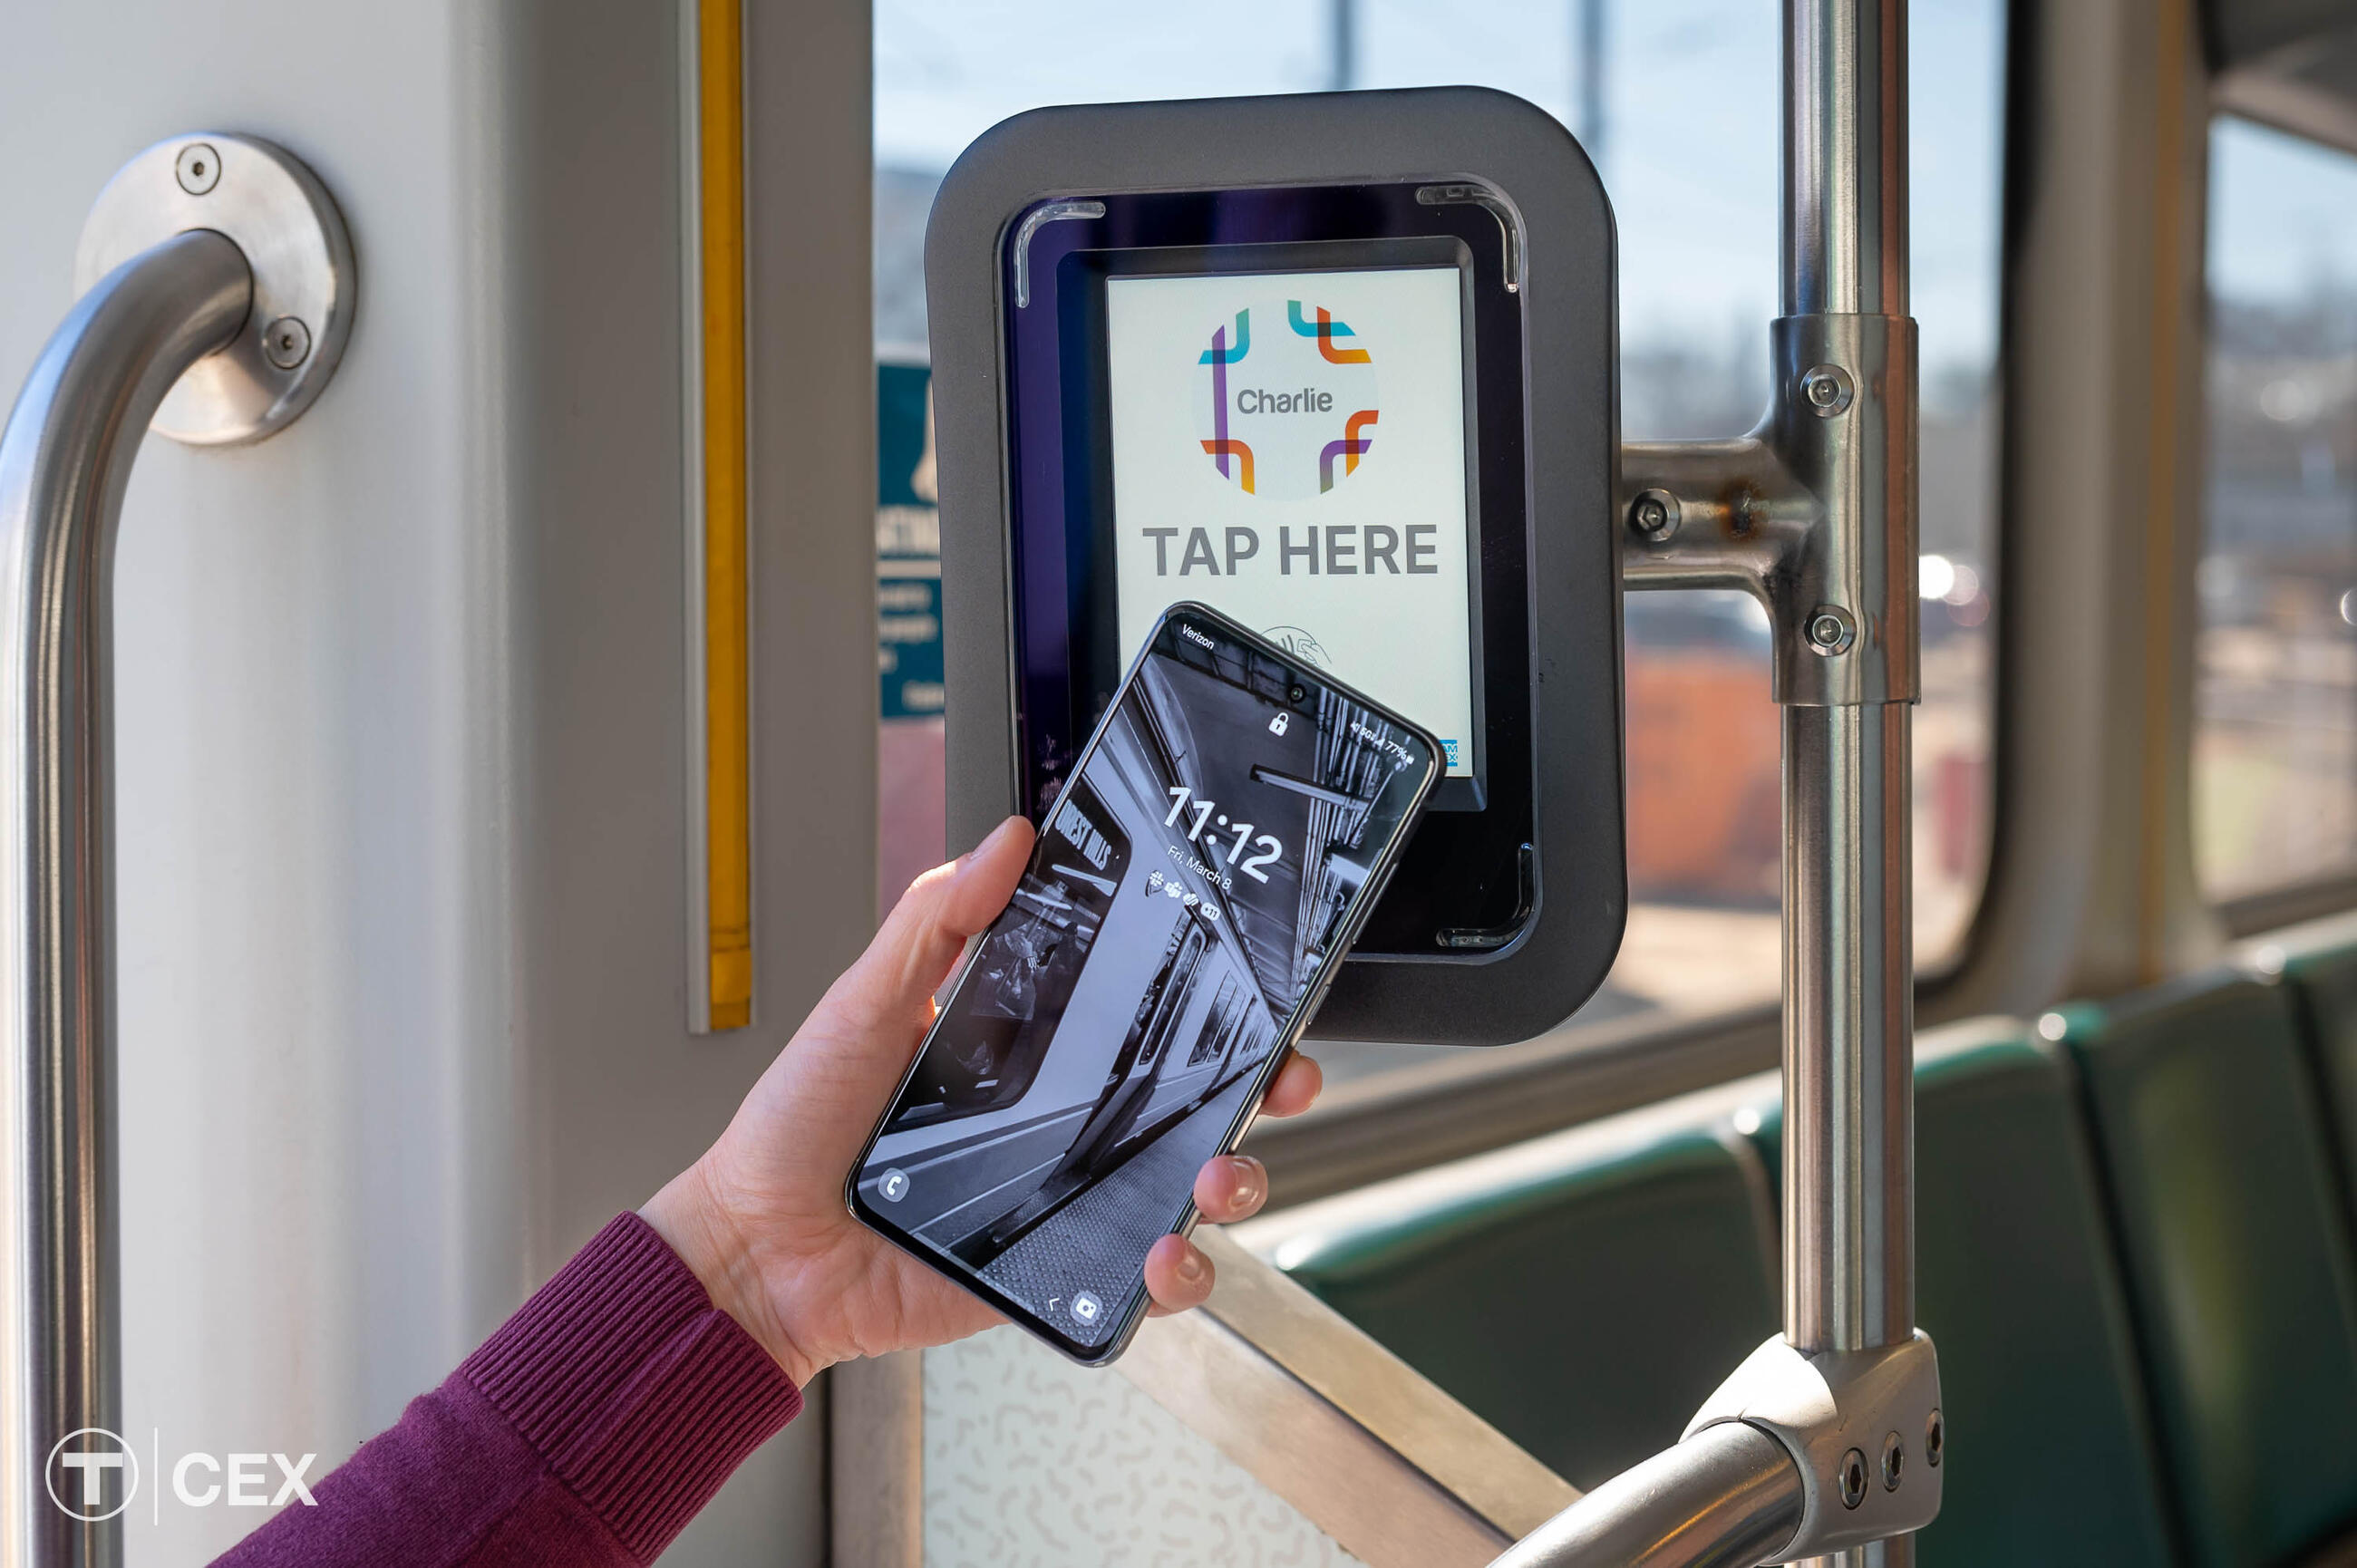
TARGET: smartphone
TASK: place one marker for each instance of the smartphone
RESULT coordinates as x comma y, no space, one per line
1190,897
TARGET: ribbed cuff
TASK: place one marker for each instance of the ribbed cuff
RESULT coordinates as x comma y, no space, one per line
641,1395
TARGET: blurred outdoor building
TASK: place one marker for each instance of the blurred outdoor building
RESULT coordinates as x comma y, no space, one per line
2275,775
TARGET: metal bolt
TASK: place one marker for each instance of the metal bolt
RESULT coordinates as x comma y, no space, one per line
1831,631
1654,514
1894,1461
1935,1437
1852,1478
198,168
1826,389
286,342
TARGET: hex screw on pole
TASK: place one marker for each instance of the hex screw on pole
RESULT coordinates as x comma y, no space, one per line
286,342
1894,1461
1852,1478
1654,514
198,168
1936,1436
1826,390
1831,631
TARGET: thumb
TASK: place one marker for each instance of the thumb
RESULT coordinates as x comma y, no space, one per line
895,979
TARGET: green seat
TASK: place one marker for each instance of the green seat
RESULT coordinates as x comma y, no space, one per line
2236,1263
2322,964
1583,1293
2016,1284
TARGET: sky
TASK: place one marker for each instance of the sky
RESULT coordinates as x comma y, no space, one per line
2282,216
1690,145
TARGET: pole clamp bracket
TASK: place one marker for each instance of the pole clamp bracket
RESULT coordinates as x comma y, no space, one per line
1812,513
1864,1426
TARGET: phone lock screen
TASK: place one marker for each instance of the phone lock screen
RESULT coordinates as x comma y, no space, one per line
1188,899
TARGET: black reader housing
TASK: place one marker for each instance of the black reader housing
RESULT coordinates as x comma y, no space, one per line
1344,366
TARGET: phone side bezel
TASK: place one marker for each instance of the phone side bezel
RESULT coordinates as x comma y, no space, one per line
1288,1036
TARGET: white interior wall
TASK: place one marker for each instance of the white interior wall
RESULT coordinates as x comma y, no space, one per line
399,774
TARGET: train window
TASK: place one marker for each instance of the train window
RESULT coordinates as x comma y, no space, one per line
2275,747
1692,176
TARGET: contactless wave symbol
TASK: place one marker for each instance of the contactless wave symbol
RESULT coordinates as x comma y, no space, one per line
1300,407
1300,644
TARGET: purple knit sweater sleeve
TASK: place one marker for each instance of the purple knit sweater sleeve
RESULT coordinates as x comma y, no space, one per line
585,1434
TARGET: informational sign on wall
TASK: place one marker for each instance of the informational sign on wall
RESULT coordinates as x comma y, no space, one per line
908,545
912,802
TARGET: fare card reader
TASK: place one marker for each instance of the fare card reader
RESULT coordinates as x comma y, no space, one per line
1342,366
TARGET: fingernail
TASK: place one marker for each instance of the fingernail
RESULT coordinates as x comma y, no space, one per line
996,834
1246,1179
1190,1265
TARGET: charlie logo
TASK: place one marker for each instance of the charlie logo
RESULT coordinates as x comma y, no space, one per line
1291,416
92,1474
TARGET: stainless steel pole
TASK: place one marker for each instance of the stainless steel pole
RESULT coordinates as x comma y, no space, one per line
1848,1189
65,460
1845,217
1816,512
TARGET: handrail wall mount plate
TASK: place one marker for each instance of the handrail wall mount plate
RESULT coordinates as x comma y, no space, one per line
266,203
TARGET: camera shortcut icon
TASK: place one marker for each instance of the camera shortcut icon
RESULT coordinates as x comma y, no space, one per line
1086,1309
92,1474
894,1187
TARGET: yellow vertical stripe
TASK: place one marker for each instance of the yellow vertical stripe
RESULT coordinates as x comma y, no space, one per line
720,78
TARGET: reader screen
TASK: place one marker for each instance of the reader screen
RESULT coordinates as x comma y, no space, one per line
1289,448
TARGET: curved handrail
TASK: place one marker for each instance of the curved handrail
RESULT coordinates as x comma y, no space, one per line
65,461
1729,1496
1374,1455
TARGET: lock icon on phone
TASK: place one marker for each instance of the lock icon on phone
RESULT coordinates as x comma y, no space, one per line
1276,725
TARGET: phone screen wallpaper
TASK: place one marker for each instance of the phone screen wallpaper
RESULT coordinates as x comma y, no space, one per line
1182,898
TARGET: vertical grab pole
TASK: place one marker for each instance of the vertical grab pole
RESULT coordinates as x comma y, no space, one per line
1849,969
1815,512
65,460
1848,1019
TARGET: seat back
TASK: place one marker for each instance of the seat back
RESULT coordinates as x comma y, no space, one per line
2321,965
1582,1292
2238,1269
2015,1284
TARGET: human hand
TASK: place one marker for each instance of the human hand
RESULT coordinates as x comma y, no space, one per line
760,1217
